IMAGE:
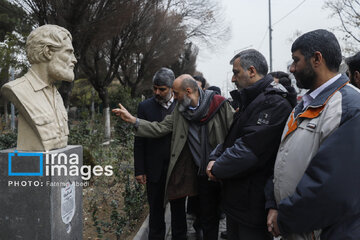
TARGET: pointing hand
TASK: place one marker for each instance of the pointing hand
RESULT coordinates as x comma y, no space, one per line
124,114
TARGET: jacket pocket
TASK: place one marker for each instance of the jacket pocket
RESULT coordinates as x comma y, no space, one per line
45,125
42,119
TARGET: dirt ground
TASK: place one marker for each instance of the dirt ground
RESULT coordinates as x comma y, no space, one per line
101,195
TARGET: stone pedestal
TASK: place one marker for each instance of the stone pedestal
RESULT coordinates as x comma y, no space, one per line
37,203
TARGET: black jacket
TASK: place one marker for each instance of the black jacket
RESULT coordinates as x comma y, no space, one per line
152,155
246,158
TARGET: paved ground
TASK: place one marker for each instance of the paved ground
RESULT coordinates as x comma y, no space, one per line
191,230
143,231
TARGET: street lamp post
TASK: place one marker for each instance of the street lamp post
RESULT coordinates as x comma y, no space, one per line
270,36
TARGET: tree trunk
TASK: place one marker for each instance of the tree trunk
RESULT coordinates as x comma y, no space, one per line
104,96
133,91
107,123
12,117
6,115
92,105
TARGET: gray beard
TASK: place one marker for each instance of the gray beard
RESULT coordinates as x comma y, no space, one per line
184,104
164,100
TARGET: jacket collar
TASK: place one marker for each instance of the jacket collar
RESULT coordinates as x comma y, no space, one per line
250,93
34,80
323,97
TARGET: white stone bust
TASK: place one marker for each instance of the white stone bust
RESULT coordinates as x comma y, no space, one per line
42,119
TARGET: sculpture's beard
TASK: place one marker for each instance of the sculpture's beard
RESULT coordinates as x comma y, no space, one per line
184,104
60,71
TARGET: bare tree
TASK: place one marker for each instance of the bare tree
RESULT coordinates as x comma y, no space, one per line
159,44
203,19
110,33
348,11
200,21
127,39
93,25
186,62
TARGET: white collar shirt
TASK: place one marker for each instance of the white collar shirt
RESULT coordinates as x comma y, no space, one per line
168,103
311,95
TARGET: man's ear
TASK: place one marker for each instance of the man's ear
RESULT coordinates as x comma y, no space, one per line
188,90
48,54
317,58
357,78
252,71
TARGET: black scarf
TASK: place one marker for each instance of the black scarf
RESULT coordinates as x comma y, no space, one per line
199,113
194,116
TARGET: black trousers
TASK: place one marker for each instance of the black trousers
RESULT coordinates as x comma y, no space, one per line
193,205
209,199
155,194
238,231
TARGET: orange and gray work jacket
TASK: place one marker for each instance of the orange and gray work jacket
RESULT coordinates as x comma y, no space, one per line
317,169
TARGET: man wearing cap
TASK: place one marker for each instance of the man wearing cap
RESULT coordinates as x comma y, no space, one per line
152,159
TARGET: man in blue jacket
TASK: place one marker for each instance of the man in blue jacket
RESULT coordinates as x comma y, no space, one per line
152,157
317,169
246,158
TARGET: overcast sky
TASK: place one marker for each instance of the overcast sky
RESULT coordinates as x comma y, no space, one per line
249,21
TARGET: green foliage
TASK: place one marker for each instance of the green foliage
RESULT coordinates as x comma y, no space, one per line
95,219
117,221
125,134
127,205
86,133
14,27
134,198
124,131
122,94
90,135
121,218
10,52
12,18
8,140
82,94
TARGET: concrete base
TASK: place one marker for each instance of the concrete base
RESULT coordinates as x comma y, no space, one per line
36,204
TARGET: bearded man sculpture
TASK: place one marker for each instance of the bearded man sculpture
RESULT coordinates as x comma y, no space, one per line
42,119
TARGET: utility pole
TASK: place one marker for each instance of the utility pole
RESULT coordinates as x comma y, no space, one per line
270,36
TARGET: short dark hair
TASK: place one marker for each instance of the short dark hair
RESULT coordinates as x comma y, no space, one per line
353,63
252,57
283,77
323,41
216,89
200,79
